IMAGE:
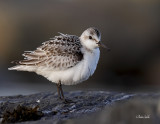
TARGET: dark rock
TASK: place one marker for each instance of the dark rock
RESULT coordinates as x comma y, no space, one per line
84,104
142,109
20,114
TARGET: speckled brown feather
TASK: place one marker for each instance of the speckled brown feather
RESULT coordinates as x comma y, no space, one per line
59,53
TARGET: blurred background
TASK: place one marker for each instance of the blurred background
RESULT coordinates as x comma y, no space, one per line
130,28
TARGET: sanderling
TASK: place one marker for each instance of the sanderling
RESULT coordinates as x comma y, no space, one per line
65,59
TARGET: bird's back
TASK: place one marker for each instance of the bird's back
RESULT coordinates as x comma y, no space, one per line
59,53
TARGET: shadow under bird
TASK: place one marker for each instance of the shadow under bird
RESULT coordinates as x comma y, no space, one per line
65,59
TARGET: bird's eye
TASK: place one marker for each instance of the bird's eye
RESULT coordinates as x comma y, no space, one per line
90,37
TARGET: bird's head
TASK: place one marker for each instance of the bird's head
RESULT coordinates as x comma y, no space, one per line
91,39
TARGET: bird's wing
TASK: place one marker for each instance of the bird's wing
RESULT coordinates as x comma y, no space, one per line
58,53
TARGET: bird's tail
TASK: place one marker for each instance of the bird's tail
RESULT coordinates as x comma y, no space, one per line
22,68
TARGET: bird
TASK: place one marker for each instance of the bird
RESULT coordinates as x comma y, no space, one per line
64,59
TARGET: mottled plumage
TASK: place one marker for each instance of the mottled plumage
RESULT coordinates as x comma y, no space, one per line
59,53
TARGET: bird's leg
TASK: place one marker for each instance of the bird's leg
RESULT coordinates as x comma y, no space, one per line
65,100
61,95
58,90
61,90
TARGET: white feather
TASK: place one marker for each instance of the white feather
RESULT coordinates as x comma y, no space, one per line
82,71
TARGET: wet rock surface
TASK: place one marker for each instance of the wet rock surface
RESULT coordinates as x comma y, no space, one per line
84,104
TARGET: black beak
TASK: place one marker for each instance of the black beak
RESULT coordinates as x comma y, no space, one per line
100,44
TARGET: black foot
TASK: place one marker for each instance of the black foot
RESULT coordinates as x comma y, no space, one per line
67,101
59,98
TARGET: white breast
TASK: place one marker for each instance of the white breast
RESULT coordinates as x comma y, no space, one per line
82,71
